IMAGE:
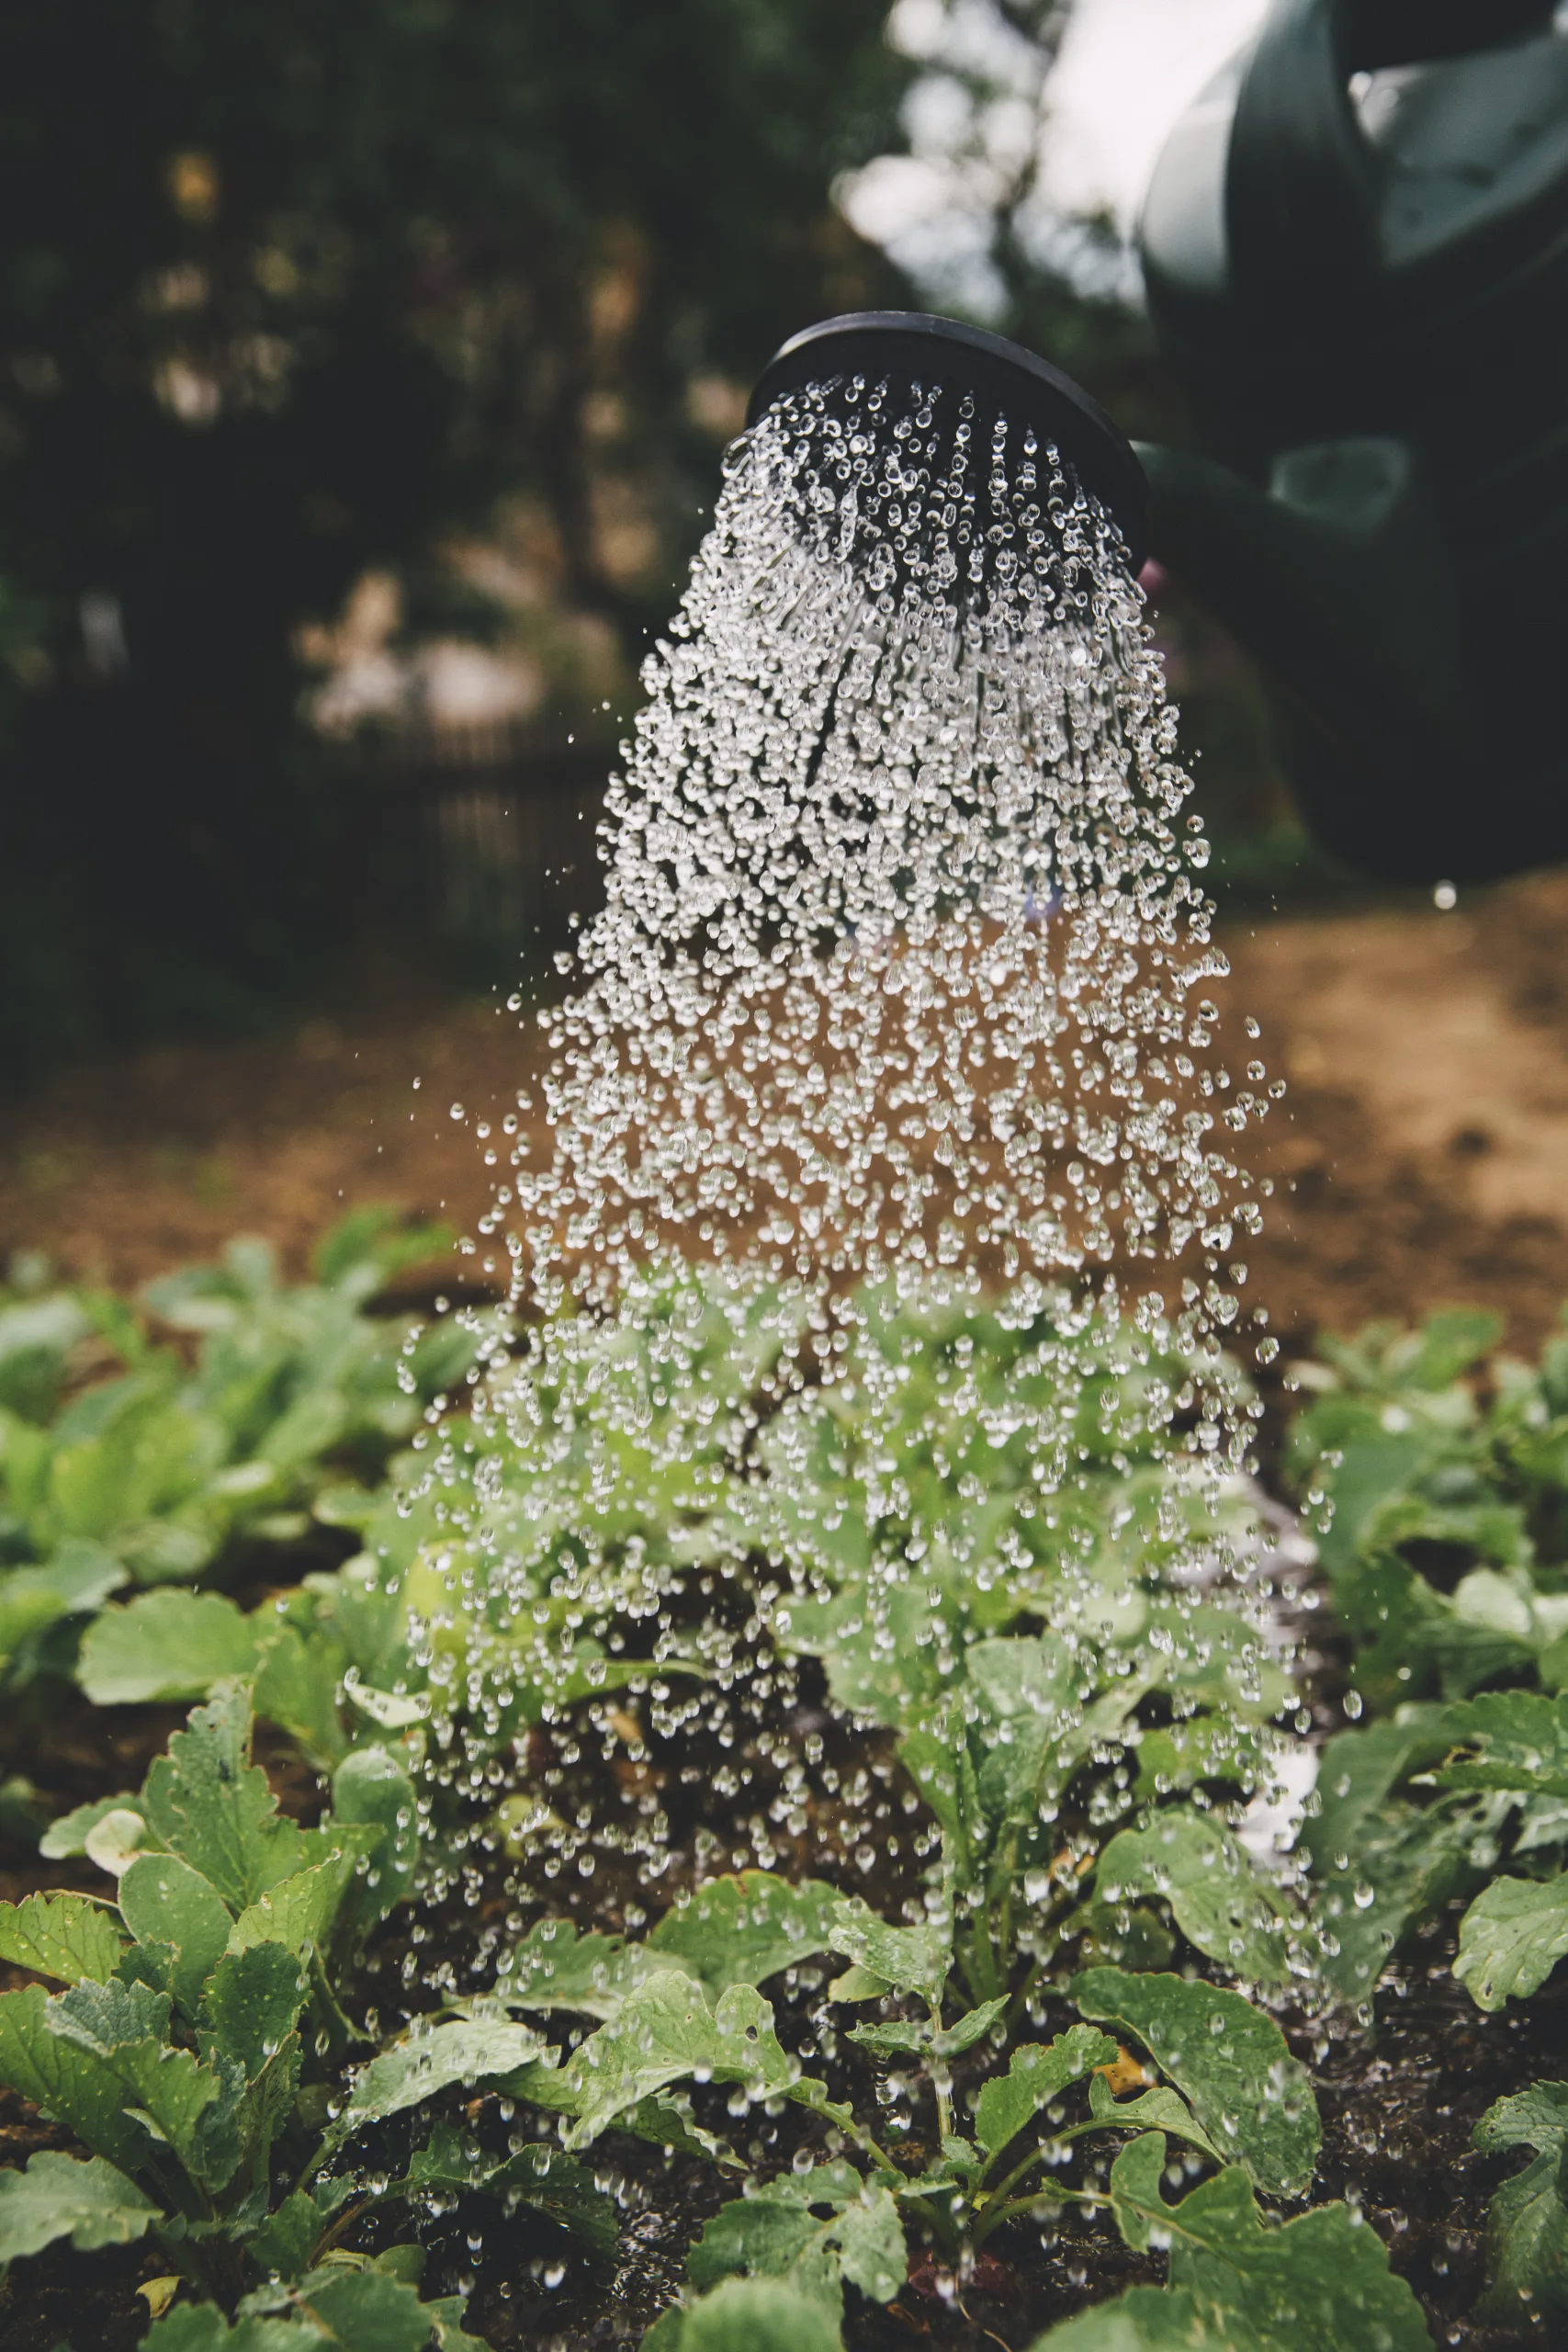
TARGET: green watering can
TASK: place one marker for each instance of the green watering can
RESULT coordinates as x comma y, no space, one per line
1355,250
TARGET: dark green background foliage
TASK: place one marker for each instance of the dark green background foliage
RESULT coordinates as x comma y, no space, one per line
285,292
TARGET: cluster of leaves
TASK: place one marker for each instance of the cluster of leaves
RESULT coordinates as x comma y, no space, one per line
1442,1474
199,2051
683,2007
128,1459
1084,1716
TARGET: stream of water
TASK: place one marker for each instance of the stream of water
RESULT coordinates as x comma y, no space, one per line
899,1017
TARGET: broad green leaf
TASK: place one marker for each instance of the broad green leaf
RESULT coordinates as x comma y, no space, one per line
298,1684
163,1900
1512,1937
1230,2061
741,1930
664,2032
209,1802
65,2081
543,2178
1038,2073
1526,2221
118,1838
757,2315
933,2042
66,1936
1399,1869
299,1912
1535,2118
253,2002
779,2233
201,2327
163,1645
431,2062
371,1791
1319,2283
1157,2111
364,2311
1522,1743
265,2104
665,2121
1217,1898
911,1959
57,2197
1151,2319
68,1835
935,1753
1360,1771
858,1984
1032,1696
283,2245
762,2235
554,1967
79,1578
871,2252
125,2028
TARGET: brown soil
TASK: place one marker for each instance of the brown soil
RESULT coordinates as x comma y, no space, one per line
1420,1155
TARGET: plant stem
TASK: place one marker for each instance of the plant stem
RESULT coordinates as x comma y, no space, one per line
941,2081
1047,2193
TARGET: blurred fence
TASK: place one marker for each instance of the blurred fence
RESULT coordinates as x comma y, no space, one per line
495,825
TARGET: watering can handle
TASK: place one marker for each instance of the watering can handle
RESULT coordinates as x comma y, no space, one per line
1302,181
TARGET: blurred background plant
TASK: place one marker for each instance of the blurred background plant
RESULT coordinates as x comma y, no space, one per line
363,380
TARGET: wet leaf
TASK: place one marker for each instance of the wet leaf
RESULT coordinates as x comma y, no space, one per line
545,2179
165,1901
1526,2221
812,2229
299,1912
364,2311
209,1802
1217,1898
371,1791
665,2033
125,2028
1151,2319
59,2195
1521,1742
1512,1937
1162,2110
417,2069
64,1935
1038,2073
554,1967
67,1836
756,2315
66,2081
929,2041
742,1930
163,1645
1228,2060
909,1960
1319,2283
252,2004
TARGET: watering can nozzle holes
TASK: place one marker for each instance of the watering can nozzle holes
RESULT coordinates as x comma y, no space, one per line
911,348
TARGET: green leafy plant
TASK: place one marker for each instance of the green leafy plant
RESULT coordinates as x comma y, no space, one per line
1231,2093
1422,1455
149,1474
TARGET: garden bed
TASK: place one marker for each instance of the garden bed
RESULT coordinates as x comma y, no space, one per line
1441,1582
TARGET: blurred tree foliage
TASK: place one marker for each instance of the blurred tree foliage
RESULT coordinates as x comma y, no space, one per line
287,290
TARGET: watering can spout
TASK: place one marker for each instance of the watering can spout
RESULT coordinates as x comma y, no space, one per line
1335,579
